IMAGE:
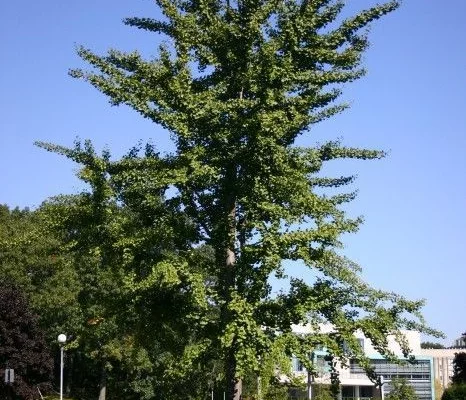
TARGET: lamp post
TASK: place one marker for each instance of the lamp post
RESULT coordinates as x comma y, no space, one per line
382,394
61,341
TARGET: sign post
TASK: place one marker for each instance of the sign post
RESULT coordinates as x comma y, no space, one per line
9,379
9,376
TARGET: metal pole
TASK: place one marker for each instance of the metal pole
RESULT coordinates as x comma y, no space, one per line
382,394
309,385
61,372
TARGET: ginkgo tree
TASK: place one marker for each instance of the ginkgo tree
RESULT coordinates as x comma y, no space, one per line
236,82
139,303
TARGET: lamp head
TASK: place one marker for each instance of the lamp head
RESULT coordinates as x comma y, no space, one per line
61,338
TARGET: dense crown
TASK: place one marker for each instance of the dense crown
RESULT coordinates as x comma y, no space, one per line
459,368
235,84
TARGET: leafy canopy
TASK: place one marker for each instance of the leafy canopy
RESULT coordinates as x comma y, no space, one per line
33,256
140,300
455,392
235,84
459,368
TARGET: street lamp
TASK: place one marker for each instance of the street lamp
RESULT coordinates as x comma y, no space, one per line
382,395
61,341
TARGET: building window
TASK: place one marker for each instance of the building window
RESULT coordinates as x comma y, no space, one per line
297,365
322,365
361,343
347,391
366,391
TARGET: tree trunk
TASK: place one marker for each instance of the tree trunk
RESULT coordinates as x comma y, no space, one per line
234,385
234,389
309,385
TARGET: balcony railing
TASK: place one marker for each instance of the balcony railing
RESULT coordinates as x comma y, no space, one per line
357,398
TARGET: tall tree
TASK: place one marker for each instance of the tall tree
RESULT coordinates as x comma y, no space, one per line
235,84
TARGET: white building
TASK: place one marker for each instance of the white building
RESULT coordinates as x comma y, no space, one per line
442,364
355,385
460,342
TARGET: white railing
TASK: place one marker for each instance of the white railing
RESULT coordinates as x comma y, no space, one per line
357,398
353,375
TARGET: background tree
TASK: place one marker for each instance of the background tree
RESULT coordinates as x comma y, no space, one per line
455,392
432,345
137,308
236,84
459,368
33,257
22,346
401,390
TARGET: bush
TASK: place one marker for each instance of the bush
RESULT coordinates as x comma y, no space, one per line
22,346
455,392
401,390
322,392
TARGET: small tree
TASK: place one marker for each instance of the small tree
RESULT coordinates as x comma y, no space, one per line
401,390
459,368
22,346
323,392
455,392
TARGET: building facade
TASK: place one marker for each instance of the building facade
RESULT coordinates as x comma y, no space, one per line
443,363
354,383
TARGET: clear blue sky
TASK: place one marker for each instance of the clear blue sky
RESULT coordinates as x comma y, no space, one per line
412,103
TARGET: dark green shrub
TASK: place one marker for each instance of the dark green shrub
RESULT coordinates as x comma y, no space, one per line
455,392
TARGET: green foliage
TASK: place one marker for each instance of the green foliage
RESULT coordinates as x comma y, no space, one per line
459,368
401,390
455,392
142,285
22,346
277,392
32,257
322,392
432,345
236,83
